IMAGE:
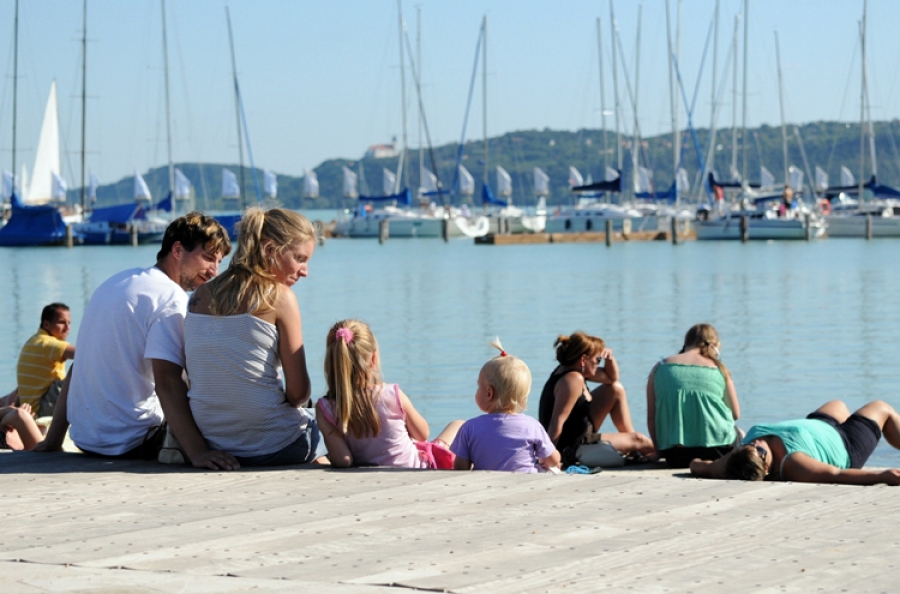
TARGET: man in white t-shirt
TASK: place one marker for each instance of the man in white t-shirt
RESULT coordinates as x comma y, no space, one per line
129,379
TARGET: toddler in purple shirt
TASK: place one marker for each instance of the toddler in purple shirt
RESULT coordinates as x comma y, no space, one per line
504,438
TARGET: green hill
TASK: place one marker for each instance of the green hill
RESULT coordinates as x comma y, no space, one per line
827,144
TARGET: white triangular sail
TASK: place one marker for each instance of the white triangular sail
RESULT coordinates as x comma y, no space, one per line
847,178
46,161
7,185
59,188
611,174
230,187
682,184
182,185
504,182
795,178
644,182
92,188
270,183
466,182
310,184
541,182
821,179
767,180
389,180
350,181
575,178
427,181
141,191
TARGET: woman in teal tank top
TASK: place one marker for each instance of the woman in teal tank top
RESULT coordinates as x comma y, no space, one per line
691,402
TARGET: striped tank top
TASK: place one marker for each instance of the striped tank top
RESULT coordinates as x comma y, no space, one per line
236,394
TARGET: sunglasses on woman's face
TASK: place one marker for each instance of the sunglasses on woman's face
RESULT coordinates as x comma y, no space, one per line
763,452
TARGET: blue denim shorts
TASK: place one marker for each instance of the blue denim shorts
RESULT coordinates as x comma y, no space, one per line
303,450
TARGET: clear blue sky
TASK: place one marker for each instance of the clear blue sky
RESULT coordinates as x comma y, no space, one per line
321,79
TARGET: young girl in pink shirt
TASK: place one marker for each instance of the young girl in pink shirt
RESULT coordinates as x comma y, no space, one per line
367,422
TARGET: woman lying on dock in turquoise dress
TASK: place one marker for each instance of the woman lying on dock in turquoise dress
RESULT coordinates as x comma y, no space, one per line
830,445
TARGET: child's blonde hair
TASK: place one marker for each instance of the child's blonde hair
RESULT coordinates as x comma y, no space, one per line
249,281
510,378
352,370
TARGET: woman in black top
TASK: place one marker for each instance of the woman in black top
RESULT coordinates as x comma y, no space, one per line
572,414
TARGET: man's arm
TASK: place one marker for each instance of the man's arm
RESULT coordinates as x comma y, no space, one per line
172,394
801,468
56,434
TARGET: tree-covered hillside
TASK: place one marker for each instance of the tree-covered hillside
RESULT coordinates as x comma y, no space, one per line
827,144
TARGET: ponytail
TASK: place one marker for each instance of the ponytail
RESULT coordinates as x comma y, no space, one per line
351,377
705,339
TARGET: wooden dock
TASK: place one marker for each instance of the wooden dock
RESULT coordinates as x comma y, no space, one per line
73,523
579,237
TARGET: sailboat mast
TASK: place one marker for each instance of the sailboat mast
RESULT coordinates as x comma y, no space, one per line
744,107
15,89
612,24
672,103
734,102
484,177
404,156
784,147
168,109
419,62
862,108
83,108
636,146
711,162
602,93
237,105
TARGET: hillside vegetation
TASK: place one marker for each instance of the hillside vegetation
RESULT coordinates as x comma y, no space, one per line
827,144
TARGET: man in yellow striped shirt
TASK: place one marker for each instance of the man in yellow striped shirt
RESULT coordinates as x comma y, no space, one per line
42,367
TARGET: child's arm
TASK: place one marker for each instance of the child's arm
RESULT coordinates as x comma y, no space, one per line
338,451
416,424
462,464
551,461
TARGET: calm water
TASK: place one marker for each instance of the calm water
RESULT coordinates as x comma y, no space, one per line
801,323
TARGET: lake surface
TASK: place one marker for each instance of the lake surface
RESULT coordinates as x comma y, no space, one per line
800,323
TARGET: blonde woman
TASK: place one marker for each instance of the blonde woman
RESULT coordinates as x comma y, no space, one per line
572,414
240,328
691,401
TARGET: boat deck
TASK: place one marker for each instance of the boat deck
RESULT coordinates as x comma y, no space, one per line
73,523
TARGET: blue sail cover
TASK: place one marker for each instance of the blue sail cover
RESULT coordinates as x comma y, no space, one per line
881,191
32,226
487,197
229,222
165,204
670,195
404,197
121,213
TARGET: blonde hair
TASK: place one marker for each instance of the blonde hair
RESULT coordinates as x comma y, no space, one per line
249,282
570,348
704,338
510,378
350,351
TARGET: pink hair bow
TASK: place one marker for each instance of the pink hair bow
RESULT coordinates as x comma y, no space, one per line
345,333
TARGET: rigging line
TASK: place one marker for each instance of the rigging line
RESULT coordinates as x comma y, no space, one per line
190,114
237,89
462,138
690,117
834,140
415,73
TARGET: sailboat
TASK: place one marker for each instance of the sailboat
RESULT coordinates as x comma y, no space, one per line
846,211
38,219
124,223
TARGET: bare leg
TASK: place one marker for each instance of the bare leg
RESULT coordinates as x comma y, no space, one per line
449,433
835,409
630,442
610,399
886,417
19,419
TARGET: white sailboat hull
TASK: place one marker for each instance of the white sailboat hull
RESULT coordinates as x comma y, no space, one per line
729,228
855,225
